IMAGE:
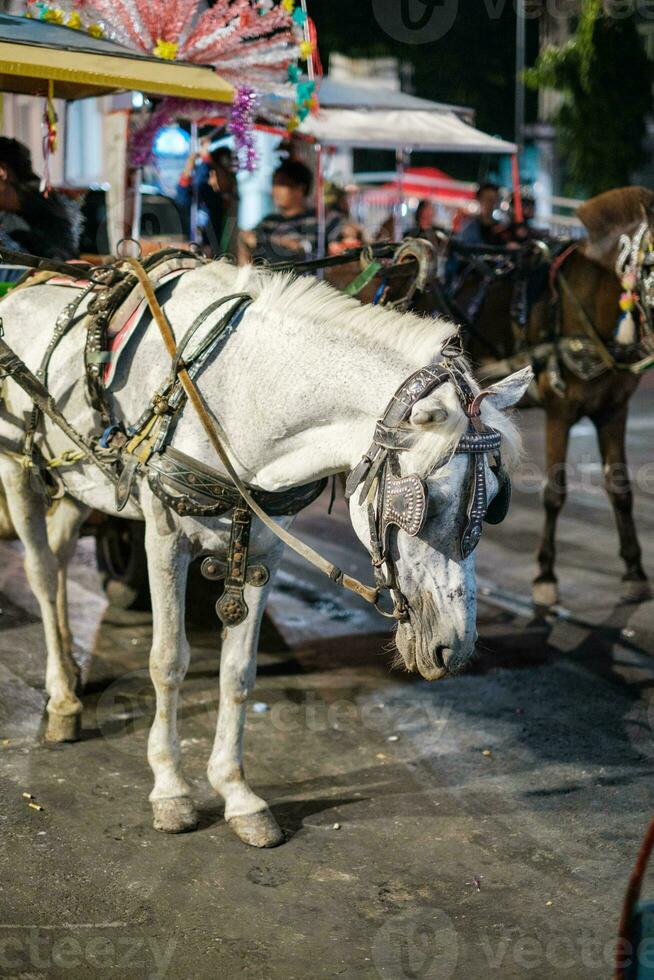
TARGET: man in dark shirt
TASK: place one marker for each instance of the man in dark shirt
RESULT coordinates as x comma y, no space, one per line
43,224
291,232
484,228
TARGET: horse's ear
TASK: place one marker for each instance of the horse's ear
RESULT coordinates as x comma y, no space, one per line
506,393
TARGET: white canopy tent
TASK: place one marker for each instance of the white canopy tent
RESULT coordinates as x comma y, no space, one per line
411,129
370,117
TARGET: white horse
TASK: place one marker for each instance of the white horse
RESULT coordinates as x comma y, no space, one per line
297,387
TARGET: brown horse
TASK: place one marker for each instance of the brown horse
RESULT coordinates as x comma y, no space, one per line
581,371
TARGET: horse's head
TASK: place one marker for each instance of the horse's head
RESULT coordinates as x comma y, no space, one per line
432,566
611,217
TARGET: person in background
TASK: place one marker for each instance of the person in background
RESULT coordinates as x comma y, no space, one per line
351,234
520,232
212,177
484,228
290,233
424,226
42,223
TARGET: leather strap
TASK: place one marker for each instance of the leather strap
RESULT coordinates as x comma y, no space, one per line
587,323
211,428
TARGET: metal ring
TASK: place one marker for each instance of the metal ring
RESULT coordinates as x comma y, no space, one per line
399,613
123,241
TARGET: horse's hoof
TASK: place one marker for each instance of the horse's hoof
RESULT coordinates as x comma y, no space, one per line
636,591
63,728
176,815
257,829
545,593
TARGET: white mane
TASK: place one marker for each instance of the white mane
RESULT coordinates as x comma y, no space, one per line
418,339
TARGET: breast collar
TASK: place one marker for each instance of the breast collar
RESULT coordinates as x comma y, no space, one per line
393,500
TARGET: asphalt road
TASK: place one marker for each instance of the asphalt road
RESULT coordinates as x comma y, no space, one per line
480,827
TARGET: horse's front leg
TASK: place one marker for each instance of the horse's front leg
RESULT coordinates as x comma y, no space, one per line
168,561
63,534
27,510
246,813
611,430
558,424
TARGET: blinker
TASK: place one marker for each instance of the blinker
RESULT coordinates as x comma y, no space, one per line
404,504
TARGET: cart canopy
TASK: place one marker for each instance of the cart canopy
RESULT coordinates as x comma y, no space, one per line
33,52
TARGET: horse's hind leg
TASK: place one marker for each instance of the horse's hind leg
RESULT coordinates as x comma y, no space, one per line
611,437
545,587
246,813
27,510
168,562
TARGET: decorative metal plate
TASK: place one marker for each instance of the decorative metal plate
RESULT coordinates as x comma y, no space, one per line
404,504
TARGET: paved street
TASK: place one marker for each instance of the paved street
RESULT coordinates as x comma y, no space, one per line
480,827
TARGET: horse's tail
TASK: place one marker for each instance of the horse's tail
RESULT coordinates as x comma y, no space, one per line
7,530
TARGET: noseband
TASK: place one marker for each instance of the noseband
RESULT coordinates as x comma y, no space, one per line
401,502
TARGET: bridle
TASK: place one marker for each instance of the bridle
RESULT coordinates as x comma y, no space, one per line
401,502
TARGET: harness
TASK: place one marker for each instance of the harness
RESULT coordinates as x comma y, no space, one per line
190,488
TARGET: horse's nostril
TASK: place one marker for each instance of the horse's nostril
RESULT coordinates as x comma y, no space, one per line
441,656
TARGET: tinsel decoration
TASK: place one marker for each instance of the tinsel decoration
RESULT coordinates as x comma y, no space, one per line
50,136
241,126
256,45
249,42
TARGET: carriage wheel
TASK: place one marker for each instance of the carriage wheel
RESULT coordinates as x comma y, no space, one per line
122,563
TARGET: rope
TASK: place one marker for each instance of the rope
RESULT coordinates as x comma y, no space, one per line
68,458
210,427
631,897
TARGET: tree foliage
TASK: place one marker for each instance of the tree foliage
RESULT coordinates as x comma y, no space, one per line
605,78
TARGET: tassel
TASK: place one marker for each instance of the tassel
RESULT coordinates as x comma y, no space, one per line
626,332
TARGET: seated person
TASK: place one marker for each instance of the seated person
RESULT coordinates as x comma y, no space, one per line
351,234
425,226
520,232
484,228
290,232
44,224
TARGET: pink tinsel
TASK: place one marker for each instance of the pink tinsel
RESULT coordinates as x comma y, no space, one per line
231,29
241,126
